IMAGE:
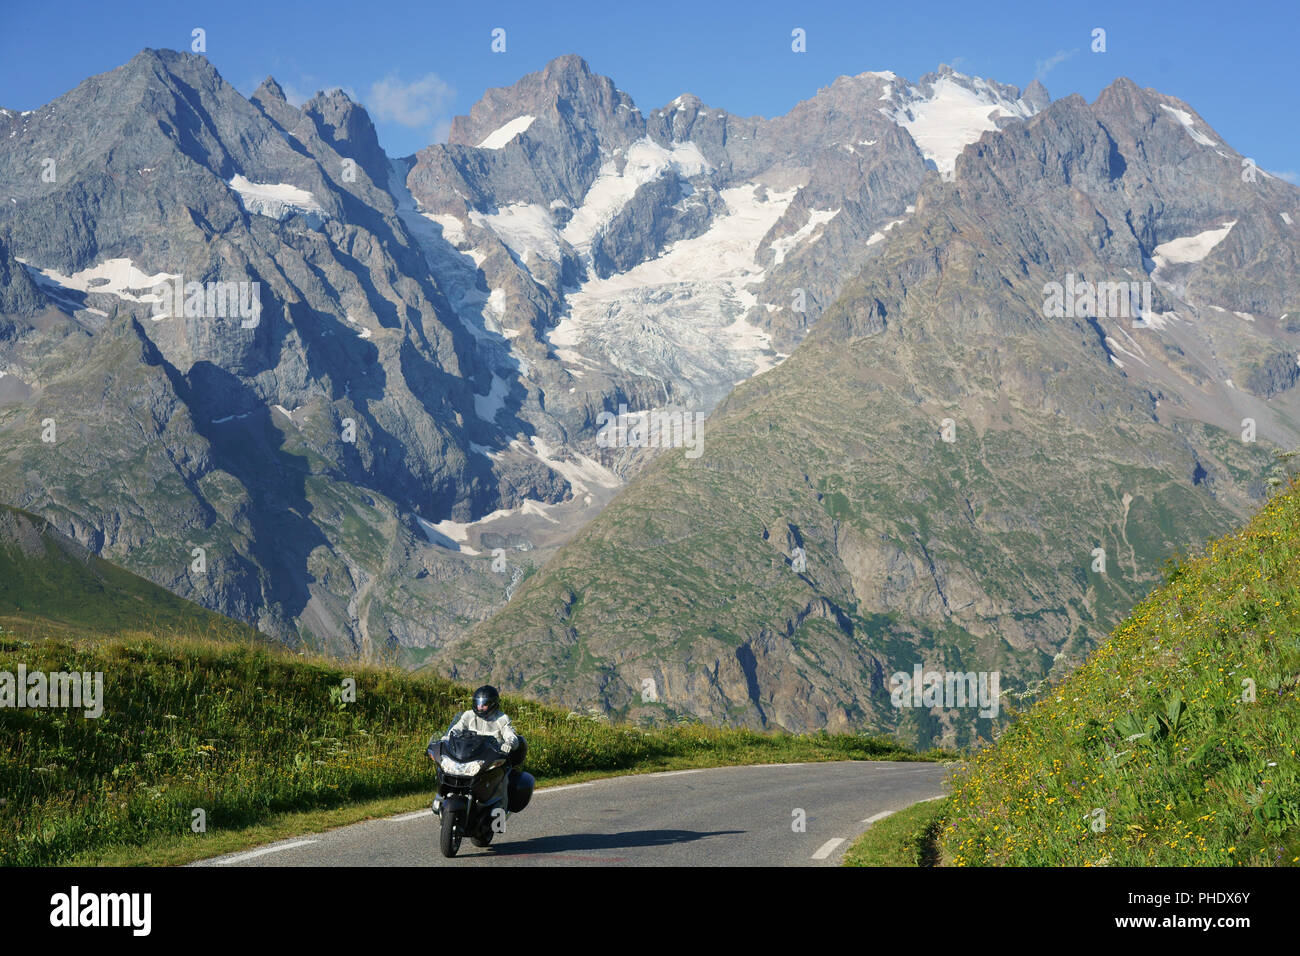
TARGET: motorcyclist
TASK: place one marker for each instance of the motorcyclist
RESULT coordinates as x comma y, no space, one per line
487,718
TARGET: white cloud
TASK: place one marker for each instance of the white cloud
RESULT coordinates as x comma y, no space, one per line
417,103
1043,67
1289,175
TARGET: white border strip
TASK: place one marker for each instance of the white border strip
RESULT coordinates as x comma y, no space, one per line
410,816
241,857
827,848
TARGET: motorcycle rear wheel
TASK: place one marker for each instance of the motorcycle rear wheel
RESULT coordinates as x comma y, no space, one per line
483,837
449,839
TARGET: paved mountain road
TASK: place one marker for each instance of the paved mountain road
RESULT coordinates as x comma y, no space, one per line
726,816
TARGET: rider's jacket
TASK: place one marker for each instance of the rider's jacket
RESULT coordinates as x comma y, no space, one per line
495,725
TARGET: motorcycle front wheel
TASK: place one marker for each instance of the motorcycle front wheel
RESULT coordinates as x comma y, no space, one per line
449,841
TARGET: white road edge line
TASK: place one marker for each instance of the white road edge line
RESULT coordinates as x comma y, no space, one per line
827,848
884,813
567,786
673,773
241,857
409,816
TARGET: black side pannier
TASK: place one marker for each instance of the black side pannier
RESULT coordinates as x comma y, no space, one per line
519,790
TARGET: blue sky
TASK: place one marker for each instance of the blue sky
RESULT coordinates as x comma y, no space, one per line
415,65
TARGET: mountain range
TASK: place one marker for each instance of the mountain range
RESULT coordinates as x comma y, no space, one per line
925,400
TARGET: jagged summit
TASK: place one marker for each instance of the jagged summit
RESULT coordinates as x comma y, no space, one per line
1036,95
566,65
269,89
565,93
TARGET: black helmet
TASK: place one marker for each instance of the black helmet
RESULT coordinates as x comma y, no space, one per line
486,700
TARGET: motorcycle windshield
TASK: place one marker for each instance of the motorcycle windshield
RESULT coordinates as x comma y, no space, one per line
464,747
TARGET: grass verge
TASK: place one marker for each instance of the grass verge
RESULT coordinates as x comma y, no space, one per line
909,837
1175,743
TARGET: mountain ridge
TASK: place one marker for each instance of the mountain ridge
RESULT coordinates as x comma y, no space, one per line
473,311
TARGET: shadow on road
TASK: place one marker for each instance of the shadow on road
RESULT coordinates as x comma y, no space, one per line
567,843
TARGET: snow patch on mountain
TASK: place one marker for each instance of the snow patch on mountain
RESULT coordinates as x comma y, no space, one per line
1190,248
1185,118
579,470
952,116
276,200
448,534
680,317
816,219
879,234
117,277
498,138
644,161
487,406
527,229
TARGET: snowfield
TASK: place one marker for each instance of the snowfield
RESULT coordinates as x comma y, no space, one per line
118,277
1190,248
951,118
680,316
275,200
645,161
498,138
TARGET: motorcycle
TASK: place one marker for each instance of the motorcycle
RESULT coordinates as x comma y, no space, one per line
478,788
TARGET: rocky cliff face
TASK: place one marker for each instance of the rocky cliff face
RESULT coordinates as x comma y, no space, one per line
280,439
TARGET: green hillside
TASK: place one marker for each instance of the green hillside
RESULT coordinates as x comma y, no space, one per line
1175,742
47,577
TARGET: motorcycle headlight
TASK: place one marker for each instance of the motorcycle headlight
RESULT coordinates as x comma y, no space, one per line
470,769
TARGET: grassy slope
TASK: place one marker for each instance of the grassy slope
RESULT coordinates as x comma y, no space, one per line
905,838
64,585
251,733
1156,729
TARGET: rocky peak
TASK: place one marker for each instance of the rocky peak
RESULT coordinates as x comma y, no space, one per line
269,89
566,94
347,127
1036,96
270,99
